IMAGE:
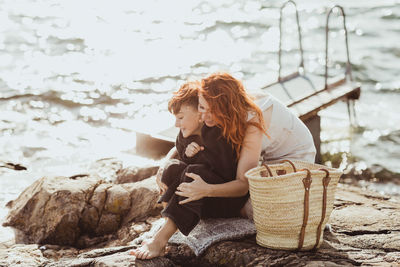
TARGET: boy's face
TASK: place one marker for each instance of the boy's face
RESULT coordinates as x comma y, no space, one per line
188,121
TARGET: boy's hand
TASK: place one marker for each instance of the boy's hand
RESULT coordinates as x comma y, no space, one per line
192,149
162,187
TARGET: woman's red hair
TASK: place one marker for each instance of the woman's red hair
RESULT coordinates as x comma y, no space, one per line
229,104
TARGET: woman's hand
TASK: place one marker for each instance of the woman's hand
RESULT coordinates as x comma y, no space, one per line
163,187
197,189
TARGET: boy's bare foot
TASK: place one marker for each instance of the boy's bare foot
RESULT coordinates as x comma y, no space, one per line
155,246
148,250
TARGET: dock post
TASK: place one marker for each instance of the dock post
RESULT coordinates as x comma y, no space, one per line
314,125
148,146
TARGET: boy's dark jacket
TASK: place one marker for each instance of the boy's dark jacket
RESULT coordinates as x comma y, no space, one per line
218,154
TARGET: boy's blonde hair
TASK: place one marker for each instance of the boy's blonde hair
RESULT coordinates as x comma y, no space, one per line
186,95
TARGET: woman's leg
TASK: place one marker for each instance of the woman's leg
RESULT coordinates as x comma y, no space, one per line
155,246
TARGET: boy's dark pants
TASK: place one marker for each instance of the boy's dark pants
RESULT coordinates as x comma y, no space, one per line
172,178
187,216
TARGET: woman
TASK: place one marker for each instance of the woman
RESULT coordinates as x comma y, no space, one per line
224,103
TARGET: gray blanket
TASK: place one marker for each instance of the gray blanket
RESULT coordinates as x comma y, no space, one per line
210,231
206,233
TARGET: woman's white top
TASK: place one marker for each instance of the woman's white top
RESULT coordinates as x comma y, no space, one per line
289,138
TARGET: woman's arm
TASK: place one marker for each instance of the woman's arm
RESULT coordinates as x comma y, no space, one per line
248,158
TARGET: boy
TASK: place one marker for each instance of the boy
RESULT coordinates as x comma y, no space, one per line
201,150
188,142
197,145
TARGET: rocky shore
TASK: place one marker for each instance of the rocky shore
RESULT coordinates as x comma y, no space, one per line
95,218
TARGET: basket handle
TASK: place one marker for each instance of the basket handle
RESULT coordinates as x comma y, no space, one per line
307,184
264,173
291,163
325,183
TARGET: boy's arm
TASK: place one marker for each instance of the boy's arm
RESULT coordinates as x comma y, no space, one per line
172,154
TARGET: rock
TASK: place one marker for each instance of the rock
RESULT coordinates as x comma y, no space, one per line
22,255
49,210
115,260
373,173
128,233
109,257
134,174
64,211
13,166
110,170
144,195
119,256
365,230
106,169
86,241
118,200
55,252
140,227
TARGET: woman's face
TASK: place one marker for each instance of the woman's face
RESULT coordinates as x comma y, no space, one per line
204,110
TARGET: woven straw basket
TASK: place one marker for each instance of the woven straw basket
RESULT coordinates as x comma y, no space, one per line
292,202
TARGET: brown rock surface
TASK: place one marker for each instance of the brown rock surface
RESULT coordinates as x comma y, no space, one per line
50,209
364,231
22,255
133,174
59,210
106,169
